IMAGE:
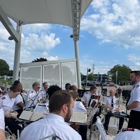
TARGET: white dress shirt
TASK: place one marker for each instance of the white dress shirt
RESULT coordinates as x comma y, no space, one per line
128,135
32,98
7,103
108,101
87,95
18,99
51,124
135,96
2,123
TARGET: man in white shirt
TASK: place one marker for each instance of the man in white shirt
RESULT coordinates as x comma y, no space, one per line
33,96
128,134
110,104
134,101
61,107
87,97
2,123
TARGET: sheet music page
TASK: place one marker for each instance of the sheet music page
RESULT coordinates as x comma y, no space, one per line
26,115
36,116
41,108
80,117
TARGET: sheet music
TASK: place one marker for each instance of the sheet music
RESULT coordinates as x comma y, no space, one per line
26,115
80,117
41,108
31,116
36,116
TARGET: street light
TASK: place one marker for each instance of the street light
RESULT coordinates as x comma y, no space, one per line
116,76
88,70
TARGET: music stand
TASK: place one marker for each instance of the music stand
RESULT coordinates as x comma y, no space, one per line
54,136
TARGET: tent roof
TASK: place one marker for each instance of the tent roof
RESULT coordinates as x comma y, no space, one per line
42,11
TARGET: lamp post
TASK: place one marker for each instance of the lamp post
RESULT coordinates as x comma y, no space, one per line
116,76
88,70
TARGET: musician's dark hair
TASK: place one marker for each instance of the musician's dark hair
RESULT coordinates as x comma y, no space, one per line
52,89
58,99
16,82
15,88
137,72
92,87
44,83
67,84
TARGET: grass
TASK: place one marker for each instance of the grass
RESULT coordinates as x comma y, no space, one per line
7,80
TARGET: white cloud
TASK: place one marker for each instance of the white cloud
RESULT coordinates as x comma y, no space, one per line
114,21
101,67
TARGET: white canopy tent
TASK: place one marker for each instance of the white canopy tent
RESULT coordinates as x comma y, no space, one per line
64,12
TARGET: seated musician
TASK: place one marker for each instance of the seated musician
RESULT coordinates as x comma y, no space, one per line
19,100
2,124
110,104
82,129
33,96
61,107
88,97
8,101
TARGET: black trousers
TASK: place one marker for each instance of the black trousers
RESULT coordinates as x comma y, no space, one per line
107,119
83,131
12,125
134,120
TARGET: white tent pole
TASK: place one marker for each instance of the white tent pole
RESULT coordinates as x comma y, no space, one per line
77,64
17,55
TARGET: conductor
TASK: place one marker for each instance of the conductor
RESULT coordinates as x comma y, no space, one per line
134,101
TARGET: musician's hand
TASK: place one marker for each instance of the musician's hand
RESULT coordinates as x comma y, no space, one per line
117,110
8,115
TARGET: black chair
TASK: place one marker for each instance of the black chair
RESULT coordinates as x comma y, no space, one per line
126,94
104,91
81,92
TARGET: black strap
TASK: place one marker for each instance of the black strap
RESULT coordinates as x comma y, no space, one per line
112,103
22,98
91,97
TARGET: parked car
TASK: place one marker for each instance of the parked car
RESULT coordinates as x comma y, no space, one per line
109,84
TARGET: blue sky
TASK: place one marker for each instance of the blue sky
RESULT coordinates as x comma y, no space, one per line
109,35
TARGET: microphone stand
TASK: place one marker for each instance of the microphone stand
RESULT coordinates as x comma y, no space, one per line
33,100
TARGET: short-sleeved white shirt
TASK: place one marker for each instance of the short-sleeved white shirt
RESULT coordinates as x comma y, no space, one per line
128,135
7,103
51,124
32,98
18,99
108,101
135,96
2,123
87,95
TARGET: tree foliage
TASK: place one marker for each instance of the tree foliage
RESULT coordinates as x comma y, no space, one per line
91,77
123,73
4,67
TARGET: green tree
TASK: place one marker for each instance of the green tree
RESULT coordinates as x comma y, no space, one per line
123,73
4,67
91,76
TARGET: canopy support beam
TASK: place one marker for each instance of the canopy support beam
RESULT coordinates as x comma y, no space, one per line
7,24
76,12
17,55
